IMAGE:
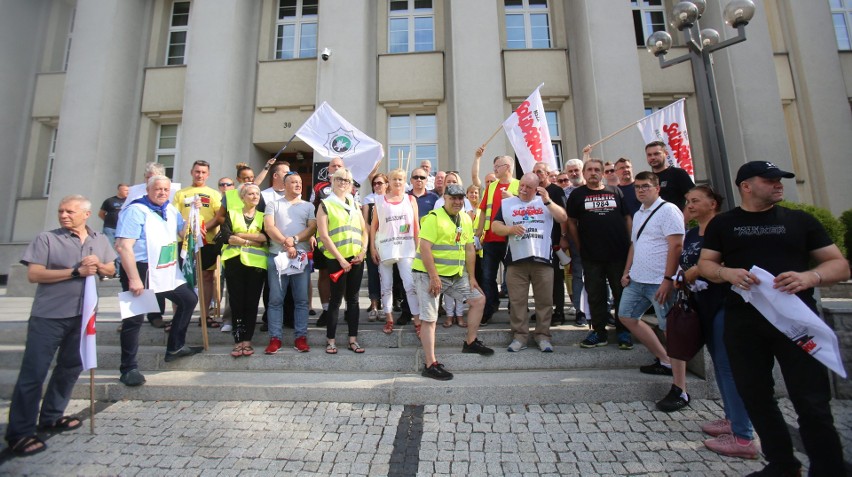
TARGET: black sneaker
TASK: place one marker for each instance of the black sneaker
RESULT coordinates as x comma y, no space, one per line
557,319
132,378
580,319
625,342
477,347
323,318
656,368
673,401
593,340
264,327
183,352
436,371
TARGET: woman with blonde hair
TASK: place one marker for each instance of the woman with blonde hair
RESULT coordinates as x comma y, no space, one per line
393,240
344,236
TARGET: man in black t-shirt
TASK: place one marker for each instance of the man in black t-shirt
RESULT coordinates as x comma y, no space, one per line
599,223
109,214
674,181
783,242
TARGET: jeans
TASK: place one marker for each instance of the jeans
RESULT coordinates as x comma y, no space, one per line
493,254
735,410
184,299
596,274
110,235
44,337
637,297
346,288
753,346
276,283
374,285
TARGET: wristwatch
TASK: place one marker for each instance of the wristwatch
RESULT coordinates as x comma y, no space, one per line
547,203
75,273
295,240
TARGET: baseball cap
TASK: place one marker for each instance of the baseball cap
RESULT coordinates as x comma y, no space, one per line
764,169
455,189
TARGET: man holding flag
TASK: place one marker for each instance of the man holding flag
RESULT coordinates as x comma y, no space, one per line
53,260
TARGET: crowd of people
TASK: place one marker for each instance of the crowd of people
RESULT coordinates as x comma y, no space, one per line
433,246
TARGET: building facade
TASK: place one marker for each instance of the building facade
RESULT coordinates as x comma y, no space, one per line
91,90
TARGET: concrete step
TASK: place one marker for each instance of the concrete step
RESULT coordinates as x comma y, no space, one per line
838,290
518,387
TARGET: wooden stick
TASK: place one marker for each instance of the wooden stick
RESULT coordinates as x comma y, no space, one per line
199,281
217,276
92,400
619,131
500,128
407,161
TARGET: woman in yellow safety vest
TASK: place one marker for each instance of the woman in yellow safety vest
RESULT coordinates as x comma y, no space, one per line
343,233
244,258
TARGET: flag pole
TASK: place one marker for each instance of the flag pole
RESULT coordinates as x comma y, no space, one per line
92,400
492,136
199,281
217,277
617,132
285,147
407,160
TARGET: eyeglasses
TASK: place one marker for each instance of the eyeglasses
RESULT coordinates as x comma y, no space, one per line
498,166
609,171
642,187
419,178
378,183
226,184
342,180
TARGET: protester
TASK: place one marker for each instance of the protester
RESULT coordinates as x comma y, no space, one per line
368,204
321,190
454,309
109,214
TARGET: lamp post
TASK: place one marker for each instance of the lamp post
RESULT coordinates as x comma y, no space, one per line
701,44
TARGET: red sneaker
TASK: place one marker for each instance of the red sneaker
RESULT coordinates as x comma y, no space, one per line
302,344
274,346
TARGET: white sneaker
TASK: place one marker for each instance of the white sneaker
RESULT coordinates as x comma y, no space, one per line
226,328
545,346
516,346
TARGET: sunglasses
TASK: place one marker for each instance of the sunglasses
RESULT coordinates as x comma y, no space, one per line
226,184
562,181
419,178
609,171
378,183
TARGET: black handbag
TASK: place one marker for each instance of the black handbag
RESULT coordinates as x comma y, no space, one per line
683,328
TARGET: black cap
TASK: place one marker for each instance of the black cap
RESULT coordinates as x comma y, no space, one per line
764,169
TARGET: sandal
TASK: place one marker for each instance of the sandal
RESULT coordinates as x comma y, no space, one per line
330,348
448,322
64,423
417,328
355,347
460,321
248,350
237,351
388,329
22,446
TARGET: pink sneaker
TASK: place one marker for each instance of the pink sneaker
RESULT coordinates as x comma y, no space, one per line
717,428
726,444
301,344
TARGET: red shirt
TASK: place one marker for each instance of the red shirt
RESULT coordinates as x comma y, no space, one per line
495,206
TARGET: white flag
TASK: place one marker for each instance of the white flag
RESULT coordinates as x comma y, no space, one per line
792,317
669,125
528,133
332,136
88,348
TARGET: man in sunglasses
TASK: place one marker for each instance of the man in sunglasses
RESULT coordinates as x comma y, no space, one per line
425,198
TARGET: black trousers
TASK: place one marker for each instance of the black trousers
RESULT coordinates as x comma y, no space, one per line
596,274
753,345
245,285
346,288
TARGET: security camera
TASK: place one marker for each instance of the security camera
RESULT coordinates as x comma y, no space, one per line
326,54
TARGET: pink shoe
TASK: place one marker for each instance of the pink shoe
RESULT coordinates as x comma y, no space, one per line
717,428
726,444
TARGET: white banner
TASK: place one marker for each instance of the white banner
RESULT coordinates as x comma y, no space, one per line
528,133
669,125
332,136
88,348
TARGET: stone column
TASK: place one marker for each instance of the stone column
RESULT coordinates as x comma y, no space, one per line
221,66
605,78
100,104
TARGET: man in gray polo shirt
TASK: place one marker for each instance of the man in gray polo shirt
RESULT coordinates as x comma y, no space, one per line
58,260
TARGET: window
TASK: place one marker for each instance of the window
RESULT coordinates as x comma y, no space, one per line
178,29
416,134
297,29
51,158
552,118
68,41
411,26
167,147
648,17
527,24
841,16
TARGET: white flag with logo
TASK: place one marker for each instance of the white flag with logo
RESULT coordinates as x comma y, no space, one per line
88,348
669,125
332,136
528,133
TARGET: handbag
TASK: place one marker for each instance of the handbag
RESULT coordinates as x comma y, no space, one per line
683,328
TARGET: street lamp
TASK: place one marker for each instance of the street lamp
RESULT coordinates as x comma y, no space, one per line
701,44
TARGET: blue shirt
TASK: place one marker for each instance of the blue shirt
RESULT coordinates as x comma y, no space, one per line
131,225
425,203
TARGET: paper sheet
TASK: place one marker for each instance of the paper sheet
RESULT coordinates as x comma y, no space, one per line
136,305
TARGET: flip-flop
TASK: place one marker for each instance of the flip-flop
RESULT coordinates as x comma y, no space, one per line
237,351
64,423
330,349
248,350
19,446
460,321
448,323
388,329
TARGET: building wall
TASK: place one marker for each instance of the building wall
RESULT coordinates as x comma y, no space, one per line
784,93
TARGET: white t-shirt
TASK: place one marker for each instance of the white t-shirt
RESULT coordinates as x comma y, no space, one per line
395,235
652,247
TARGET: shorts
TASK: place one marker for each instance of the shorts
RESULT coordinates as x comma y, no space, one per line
320,260
457,287
638,297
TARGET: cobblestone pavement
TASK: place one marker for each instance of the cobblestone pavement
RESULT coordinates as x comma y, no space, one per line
325,438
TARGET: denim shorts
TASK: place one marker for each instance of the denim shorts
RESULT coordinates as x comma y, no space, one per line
638,297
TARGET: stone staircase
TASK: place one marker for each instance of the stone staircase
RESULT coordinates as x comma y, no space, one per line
389,371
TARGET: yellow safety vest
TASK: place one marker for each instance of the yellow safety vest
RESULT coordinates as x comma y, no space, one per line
448,249
250,255
344,228
489,199
233,201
